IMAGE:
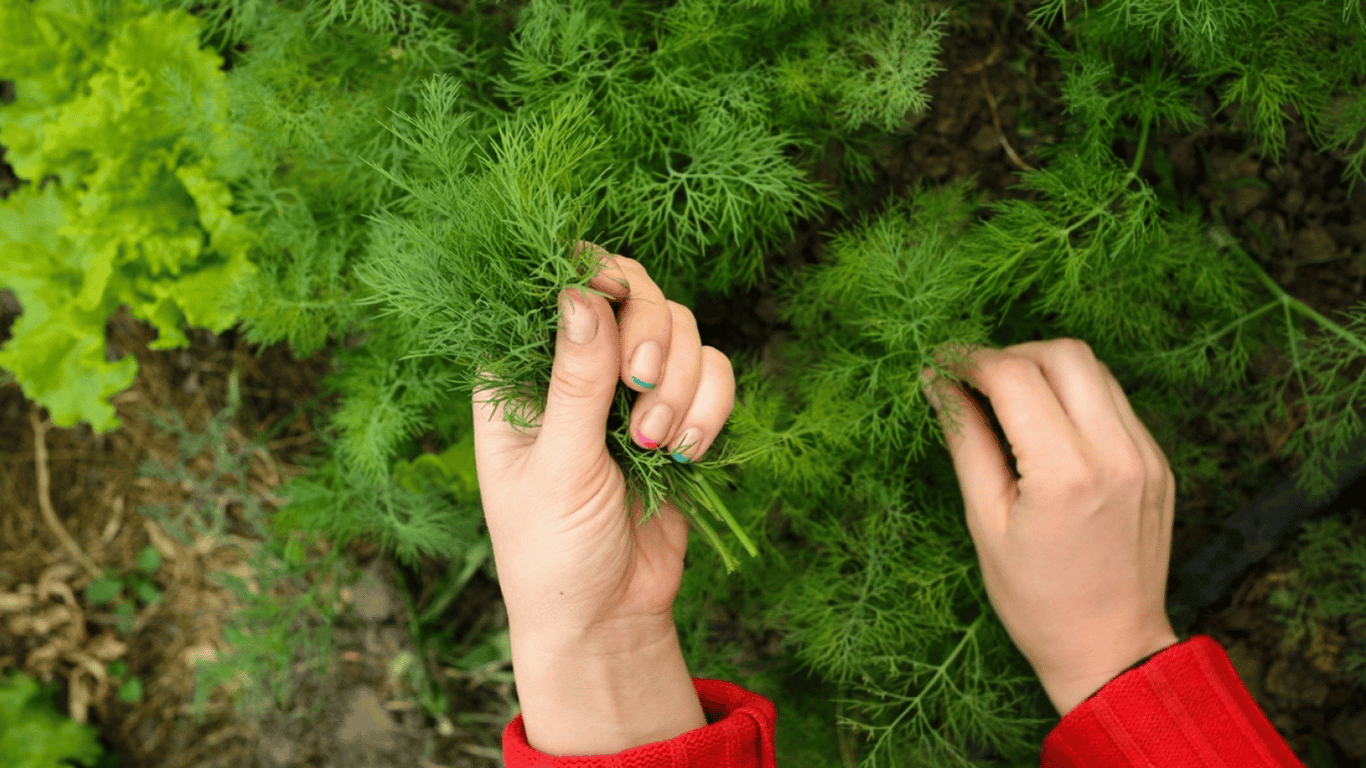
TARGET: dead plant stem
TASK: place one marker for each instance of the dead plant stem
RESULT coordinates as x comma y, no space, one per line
40,428
1000,133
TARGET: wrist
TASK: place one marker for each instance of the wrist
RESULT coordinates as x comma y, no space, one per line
605,692
1067,692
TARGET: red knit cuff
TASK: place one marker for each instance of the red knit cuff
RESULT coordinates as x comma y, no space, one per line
1186,706
739,735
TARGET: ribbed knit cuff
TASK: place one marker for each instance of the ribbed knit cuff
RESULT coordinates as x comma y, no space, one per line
1130,668
1186,706
739,734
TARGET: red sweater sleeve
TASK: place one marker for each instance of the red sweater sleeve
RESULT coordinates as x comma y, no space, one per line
1185,706
739,734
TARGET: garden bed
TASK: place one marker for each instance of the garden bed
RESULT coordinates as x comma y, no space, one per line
993,108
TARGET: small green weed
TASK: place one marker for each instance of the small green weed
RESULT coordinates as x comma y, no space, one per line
482,656
205,512
1327,587
129,593
274,632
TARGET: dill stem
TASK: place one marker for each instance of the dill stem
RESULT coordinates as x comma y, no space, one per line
1154,72
1295,304
848,747
940,673
1142,147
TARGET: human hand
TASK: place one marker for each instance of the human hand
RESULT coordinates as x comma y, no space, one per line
1075,552
580,578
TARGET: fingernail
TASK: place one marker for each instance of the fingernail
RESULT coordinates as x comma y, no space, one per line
688,442
580,322
654,426
645,365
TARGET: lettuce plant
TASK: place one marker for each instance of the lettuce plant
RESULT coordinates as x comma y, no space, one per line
120,125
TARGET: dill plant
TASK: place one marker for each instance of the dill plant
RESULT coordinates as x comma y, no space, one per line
429,210
873,588
1267,61
316,99
452,261
1097,236
426,208
415,182
703,104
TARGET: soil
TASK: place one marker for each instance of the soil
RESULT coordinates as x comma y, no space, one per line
993,108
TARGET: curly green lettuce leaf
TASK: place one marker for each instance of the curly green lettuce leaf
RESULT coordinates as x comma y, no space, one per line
46,45
131,118
57,353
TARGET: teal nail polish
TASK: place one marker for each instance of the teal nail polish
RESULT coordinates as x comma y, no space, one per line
681,459
640,383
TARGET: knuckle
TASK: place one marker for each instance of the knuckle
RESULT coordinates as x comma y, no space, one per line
1134,482
1074,473
721,363
1130,472
1082,486
717,360
682,313
573,383
1012,368
625,262
1075,347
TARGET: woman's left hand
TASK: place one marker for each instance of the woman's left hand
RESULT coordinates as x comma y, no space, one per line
576,571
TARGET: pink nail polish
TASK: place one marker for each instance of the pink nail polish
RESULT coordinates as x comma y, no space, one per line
650,444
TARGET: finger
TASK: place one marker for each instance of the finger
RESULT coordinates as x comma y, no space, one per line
1081,386
656,413
1040,393
709,410
645,321
583,380
983,475
1150,454
608,275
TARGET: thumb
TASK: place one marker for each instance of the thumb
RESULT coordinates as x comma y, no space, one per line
983,475
583,379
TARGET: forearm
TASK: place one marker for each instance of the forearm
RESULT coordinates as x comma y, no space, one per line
587,696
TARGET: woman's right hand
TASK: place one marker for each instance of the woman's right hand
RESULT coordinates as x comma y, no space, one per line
1075,552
